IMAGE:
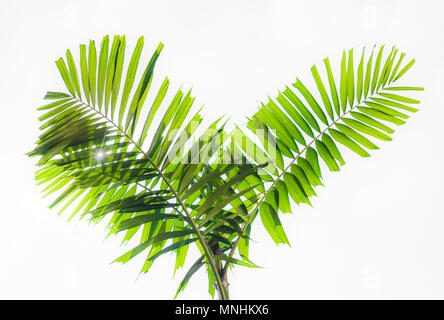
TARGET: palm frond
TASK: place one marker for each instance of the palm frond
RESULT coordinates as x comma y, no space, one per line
301,135
96,154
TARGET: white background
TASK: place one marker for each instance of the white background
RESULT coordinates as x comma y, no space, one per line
375,231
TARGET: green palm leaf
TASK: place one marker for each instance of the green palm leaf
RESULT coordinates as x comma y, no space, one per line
101,157
304,142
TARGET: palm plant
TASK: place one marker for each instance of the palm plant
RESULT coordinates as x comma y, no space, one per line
181,187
